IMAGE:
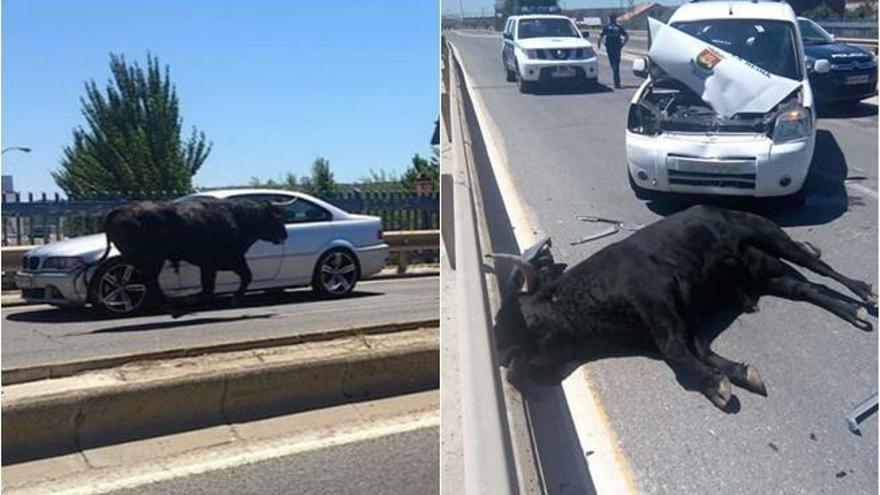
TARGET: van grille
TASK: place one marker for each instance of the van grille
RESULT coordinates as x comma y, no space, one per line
734,173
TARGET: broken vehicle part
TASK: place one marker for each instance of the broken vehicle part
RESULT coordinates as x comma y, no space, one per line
860,412
735,65
616,227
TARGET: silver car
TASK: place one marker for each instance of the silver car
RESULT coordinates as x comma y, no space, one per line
326,247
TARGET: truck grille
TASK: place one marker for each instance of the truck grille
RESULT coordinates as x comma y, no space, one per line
561,54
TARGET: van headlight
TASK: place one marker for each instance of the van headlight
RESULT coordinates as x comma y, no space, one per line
792,124
62,263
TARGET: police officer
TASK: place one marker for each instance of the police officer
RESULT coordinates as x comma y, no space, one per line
615,37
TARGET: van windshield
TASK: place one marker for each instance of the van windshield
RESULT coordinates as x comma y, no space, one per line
768,44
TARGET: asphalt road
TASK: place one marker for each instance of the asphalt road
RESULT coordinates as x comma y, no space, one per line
401,463
37,335
565,152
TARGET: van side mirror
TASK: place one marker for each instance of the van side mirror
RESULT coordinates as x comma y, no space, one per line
822,66
640,67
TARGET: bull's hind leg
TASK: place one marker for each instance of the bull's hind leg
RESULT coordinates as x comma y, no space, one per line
669,332
743,375
154,292
244,273
767,236
791,287
209,279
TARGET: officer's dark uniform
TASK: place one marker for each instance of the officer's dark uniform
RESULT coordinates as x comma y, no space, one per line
614,35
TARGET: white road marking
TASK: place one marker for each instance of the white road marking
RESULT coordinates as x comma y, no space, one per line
850,185
608,466
241,455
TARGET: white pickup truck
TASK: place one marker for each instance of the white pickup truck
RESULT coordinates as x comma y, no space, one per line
541,48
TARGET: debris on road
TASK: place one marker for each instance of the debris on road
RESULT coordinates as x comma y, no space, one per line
773,446
860,412
616,226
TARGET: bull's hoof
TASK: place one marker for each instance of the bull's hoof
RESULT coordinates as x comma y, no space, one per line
861,319
813,250
721,394
176,313
754,383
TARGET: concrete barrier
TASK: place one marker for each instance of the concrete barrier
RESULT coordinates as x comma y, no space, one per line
56,417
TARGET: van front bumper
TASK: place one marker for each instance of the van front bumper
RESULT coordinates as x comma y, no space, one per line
720,164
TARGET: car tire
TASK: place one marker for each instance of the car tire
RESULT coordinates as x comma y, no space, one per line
510,75
524,86
640,192
336,273
117,289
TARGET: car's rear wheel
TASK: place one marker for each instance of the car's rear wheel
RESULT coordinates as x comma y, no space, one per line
118,289
336,273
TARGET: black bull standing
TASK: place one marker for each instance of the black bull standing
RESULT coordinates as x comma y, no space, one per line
213,234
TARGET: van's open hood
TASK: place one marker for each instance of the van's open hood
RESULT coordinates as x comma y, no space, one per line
728,84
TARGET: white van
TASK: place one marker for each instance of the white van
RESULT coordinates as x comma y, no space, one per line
761,145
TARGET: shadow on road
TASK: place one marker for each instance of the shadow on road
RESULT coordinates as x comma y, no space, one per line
166,324
826,196
860,109
569,88
79,315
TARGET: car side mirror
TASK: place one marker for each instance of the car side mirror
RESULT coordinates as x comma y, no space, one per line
821,66
640,67
585,34
833,37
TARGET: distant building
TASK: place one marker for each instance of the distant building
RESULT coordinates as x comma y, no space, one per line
8,189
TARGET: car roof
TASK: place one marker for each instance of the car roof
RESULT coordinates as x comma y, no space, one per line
778,11
228,193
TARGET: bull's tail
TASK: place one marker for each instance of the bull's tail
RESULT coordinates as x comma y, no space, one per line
106,252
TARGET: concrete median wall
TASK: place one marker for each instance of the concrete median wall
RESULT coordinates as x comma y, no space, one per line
45,419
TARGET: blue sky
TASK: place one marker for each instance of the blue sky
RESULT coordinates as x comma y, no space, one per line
273,83
487,7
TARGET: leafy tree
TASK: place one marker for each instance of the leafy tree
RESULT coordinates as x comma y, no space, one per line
421,166
820,11
321,182
131,145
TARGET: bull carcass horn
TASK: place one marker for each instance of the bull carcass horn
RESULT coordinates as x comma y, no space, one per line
527,269
284,204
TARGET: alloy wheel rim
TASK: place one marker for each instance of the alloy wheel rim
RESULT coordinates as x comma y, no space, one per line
338,273
121,290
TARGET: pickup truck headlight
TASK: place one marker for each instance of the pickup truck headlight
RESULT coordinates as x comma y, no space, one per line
792,124
63,263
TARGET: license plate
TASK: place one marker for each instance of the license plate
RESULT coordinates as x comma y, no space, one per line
858,79
712,167
563,72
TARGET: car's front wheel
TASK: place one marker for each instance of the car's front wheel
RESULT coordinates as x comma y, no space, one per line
336,273
118,289
510,75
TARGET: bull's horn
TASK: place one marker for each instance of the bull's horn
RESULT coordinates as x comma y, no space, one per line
527,269
284,204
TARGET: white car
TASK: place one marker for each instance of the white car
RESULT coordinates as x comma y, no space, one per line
326,248
541,48
677,143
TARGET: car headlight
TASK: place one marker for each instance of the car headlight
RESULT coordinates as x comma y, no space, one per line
792,124
63,263
531,54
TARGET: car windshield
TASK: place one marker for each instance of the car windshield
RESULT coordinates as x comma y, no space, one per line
545,28
768,44
813,34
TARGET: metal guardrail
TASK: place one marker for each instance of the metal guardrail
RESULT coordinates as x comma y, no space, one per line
487,454
401,242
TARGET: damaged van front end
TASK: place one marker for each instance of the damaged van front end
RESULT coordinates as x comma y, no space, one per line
695,134
676,143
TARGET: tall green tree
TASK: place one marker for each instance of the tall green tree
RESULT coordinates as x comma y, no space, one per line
421,166
131,145
321,182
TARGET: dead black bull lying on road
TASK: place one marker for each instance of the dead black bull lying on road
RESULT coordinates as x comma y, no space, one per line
649,292
213,234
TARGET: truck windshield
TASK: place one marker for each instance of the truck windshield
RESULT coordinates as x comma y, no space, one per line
768,44
545,28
